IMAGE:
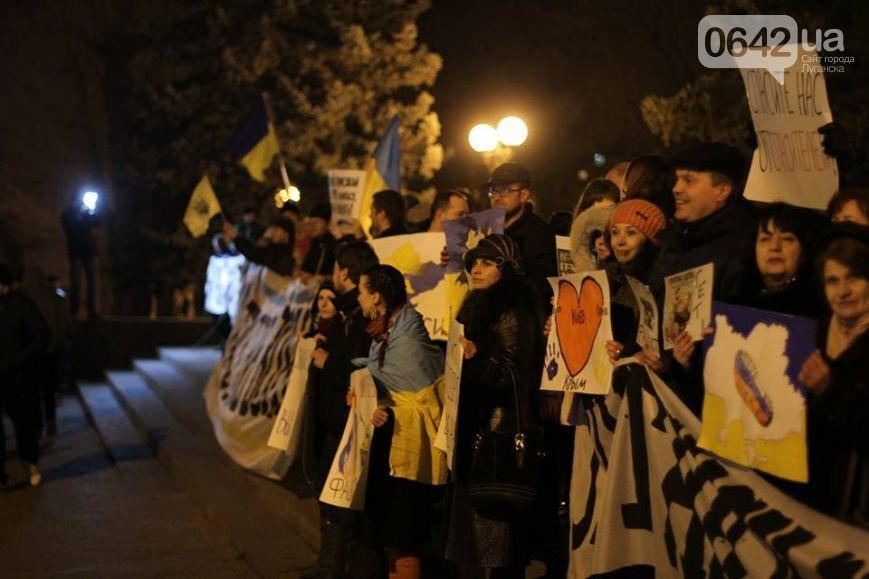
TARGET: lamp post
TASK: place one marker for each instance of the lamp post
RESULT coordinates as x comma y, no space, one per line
496,145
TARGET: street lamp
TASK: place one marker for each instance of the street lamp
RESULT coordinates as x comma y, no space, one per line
496,145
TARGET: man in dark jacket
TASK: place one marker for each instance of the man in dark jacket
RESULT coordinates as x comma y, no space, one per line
78,225
712,224
331,367
24,335
321,256
274,249
510,189
388,214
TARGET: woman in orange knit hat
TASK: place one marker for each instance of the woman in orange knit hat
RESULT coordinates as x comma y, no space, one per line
633,237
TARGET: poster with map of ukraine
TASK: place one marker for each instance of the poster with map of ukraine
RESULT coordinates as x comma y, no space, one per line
754,409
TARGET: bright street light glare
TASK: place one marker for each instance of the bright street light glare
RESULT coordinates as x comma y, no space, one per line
295,194
89,200
483,138
512,131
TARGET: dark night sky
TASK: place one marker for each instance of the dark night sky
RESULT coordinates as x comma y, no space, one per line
574,70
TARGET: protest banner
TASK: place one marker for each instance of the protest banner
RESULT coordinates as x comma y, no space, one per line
465,232
754,408
446,436
348,477
223,284
789,163
287,428
417,256
646,502
244,392
346,187
564,256
687,303
576,358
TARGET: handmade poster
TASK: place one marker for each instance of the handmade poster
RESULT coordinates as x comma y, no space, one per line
223,284
789,163
565,258
646,502
348,477
576,358
244,393
754,409
287,429
418,256
446,436
464,233
647,330
687,304
345,193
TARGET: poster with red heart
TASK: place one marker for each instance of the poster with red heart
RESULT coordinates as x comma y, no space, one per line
576,358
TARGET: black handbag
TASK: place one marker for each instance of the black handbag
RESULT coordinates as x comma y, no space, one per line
505,466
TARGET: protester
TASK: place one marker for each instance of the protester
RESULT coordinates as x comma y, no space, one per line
849,205
588,246
616,176
405,470
321,254
837,378
502,316
779,271
651,177
24,335
598,193
388,214
78,225
510,189
634,228
343,339
274,249
448,205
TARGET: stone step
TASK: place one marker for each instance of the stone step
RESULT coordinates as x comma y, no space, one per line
272,542
180,393
195,362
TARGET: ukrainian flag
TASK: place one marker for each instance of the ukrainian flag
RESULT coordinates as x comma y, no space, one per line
202,207
255,143
382,170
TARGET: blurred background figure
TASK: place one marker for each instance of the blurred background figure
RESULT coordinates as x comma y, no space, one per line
79,220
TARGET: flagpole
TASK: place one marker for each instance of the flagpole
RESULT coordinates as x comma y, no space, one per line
284,175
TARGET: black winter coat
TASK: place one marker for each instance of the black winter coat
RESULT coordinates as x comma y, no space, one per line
24,336
536,244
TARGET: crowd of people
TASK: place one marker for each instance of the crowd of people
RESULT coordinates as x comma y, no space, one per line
648,219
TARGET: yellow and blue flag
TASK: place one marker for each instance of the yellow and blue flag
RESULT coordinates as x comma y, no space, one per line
255,143
202,207
381,170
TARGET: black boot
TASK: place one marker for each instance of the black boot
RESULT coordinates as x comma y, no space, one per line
331,563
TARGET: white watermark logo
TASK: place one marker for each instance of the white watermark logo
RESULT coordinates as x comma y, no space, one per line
770,42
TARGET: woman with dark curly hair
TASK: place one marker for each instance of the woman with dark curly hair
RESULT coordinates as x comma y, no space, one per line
406,471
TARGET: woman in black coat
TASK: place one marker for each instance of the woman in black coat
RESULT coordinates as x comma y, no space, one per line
503,321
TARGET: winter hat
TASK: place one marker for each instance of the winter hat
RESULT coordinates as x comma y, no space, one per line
496,247
509,173
642,214
710,156
323,210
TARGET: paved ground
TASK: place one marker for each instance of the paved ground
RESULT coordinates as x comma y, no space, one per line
91,518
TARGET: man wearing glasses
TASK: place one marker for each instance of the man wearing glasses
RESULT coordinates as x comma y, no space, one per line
510,189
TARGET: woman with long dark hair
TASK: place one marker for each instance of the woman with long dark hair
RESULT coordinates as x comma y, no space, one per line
502,317
406,471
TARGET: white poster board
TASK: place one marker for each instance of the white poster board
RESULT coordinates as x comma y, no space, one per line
647,327
565,257
446,436
287,429
687,304
576,358
348,477
789,163
346,187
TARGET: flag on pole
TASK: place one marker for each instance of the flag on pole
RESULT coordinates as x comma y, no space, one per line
255,143
382,170
202,207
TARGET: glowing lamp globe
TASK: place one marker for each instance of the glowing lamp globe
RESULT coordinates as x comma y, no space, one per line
512,131
483,138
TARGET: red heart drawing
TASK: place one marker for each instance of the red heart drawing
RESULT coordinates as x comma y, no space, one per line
577,320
